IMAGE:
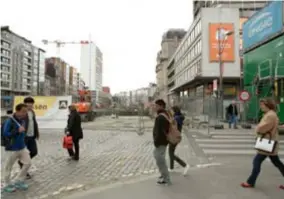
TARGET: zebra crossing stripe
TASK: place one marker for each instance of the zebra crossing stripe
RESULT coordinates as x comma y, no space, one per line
233,152
231,144
221,141
233,137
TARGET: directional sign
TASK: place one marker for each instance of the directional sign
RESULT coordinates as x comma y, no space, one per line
244,96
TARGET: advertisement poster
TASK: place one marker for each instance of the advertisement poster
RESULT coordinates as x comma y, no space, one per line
219,41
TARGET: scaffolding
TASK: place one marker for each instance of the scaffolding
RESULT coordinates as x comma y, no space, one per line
268,82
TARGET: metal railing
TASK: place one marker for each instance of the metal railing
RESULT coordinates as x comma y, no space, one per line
201,113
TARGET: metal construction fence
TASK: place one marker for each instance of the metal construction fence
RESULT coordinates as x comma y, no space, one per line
209,112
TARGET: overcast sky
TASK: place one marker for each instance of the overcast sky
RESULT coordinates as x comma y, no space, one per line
127,31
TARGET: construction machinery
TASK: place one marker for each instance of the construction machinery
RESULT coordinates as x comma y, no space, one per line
85,105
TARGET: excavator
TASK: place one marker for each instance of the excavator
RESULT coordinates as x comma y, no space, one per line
85,106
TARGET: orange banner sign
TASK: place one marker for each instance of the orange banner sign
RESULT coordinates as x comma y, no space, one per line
221,43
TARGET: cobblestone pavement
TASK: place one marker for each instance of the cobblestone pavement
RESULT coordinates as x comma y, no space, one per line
106,156
122,123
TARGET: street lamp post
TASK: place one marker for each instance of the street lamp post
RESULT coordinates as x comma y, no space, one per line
221,46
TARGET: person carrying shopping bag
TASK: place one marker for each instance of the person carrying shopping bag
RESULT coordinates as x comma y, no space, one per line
74,129
267,143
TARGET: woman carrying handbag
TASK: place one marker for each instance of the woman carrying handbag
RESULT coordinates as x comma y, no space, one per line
267,142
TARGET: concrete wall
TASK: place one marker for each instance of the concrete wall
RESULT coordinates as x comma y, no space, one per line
219,15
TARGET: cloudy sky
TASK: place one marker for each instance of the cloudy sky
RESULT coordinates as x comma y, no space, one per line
127,31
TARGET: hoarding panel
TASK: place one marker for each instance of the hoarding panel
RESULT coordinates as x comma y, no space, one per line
263,24
227,42
265,56
49,107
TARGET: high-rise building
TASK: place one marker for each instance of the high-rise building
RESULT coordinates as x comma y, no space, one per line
20,66
169,44
92,66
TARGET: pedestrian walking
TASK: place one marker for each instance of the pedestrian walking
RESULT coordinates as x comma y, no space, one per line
266,129
160,130
74,129
14,133
32,132
179,118
232,112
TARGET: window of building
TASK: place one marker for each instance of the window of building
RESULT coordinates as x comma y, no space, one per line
5,68
5,52
5,84
5,76
5,44
5,60
27,60
27,67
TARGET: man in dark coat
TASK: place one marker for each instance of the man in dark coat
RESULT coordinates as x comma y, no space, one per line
232,111
74,129
160,131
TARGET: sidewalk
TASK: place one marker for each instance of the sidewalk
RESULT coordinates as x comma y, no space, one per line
217,182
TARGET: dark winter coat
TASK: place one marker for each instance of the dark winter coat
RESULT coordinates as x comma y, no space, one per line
232,109
179,118
74,125
160,130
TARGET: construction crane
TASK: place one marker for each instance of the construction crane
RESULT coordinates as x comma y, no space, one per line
60,44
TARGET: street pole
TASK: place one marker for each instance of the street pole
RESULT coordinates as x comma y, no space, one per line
221,75
90,60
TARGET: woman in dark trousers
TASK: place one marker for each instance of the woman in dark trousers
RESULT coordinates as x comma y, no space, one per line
74,129
267,128
172,147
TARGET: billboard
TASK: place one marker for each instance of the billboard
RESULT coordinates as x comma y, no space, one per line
263,24
218,31
49,107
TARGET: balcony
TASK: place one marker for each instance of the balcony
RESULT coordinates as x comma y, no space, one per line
171,79
170,71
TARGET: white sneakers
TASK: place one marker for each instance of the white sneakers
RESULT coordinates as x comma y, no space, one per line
185,171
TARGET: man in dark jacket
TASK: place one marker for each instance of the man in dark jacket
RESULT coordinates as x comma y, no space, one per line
32,132
233,114
160,130
74,129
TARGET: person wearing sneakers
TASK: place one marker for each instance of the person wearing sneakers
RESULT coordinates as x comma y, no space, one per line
179,118
268,129
160,131
32,132
14,142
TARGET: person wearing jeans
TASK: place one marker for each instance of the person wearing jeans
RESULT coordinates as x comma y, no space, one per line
232,111
267,128
74,129
178,116
32,132
160,130
14,143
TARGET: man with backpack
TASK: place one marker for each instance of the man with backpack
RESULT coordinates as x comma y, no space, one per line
160,131
32,132
13,139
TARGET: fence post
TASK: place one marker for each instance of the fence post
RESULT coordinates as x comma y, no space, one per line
245,125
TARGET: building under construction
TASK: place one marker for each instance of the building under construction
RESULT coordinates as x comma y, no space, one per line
264,59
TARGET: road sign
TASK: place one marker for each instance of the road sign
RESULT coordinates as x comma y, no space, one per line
244,96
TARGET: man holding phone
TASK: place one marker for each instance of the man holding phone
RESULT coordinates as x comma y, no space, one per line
14,137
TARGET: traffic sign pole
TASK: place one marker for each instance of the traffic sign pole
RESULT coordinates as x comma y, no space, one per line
244,97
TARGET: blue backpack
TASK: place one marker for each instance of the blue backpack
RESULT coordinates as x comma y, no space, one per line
4,139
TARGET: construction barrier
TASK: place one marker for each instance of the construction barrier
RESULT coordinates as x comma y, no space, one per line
51,111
